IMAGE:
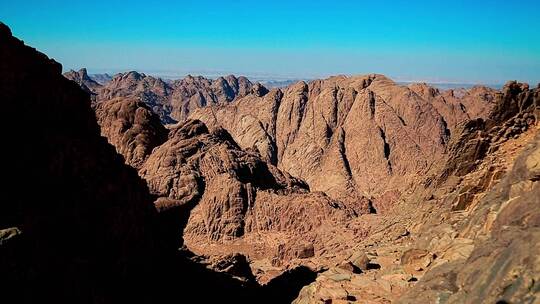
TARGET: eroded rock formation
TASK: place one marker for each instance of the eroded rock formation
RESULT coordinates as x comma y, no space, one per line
234,194
85,82
131,127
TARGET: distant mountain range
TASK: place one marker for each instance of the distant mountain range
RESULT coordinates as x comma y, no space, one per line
280,82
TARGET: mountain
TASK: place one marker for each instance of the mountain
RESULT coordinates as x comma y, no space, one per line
85,82
239,204
350,136
233,195
171,100
469,232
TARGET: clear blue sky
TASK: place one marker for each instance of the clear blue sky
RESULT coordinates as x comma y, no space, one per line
470,41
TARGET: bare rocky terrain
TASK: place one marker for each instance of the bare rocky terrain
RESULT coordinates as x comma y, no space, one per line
340,190
351,137
387,177
375,161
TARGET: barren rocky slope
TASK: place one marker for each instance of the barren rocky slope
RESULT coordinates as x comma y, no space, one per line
468,233
243,205
238,202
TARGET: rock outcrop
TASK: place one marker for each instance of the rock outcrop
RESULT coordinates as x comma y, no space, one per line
132,127
234,194
86,83
494,259
516,110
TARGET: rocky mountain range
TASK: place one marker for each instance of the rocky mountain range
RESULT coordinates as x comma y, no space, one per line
339,190
171,100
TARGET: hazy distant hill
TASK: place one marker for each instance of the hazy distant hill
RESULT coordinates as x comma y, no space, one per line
101,78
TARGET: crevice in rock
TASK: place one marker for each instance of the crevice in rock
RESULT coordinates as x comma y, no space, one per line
351,298
402,120
371,102
446,131
373,266
386,149
371,208
343,152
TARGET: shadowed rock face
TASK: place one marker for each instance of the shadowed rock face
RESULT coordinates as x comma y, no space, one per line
82,214
516,110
